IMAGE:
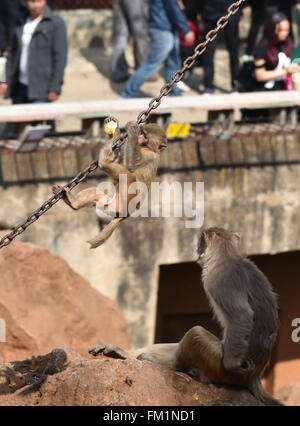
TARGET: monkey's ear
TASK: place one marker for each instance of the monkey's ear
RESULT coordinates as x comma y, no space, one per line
161,147
237,237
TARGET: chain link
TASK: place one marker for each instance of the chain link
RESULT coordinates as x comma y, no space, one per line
142,118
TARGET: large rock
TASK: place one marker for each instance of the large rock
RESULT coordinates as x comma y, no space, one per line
65,378
46,304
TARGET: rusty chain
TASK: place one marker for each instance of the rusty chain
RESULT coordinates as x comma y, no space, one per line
142,118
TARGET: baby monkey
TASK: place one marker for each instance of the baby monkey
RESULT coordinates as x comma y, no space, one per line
243,302
137,160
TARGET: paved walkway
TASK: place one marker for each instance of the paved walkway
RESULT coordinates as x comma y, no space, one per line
88,78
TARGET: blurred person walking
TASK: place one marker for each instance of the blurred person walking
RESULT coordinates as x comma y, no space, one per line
10,13
130,18
166,20
258,16
187,48
211,11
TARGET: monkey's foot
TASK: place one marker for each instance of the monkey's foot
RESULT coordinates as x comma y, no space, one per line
56,189
110,351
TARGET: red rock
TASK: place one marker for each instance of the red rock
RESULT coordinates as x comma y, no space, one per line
65,378
46,304
289,394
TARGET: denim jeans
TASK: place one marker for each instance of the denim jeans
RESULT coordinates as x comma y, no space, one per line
130,18
22,98
164,50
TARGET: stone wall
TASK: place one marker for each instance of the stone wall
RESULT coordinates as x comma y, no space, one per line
88,27
93,27
252,185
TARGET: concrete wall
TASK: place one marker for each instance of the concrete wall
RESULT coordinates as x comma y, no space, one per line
88,27
93,27
260,202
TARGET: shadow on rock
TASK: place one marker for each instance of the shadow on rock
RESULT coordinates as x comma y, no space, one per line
32,372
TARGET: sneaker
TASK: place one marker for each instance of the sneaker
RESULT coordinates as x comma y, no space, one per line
182,86
247,58
209,91
120,79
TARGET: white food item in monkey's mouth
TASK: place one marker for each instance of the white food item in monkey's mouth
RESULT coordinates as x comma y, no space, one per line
110,127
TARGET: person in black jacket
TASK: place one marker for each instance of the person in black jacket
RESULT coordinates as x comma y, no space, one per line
258,17
211,11
10,12
37,56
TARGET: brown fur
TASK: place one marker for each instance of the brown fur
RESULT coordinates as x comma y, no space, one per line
138,162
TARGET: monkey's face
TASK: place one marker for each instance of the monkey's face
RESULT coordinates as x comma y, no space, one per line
153,137
214,237
143,138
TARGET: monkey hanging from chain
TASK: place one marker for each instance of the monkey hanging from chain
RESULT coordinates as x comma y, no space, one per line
137,159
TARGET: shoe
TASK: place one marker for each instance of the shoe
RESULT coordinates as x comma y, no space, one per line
120,80
234,87
247,58
209,91
153,78
182,86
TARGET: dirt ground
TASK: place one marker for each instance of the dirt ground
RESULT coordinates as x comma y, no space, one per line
87,77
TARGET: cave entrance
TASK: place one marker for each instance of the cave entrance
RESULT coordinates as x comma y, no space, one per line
182,303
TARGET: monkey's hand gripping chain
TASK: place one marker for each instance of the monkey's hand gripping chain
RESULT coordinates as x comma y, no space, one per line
142,118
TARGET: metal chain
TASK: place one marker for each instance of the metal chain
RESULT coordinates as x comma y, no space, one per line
142,118
19,229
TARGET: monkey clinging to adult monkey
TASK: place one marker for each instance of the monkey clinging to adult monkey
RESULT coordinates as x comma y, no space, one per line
137,159
243,302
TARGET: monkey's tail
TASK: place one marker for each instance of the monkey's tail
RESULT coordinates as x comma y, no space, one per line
258,391
106,233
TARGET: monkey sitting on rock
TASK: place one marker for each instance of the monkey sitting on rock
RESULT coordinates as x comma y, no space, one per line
138,160
244,303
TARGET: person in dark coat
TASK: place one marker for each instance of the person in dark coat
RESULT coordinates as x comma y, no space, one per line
10,13
211,11
258,17
37,56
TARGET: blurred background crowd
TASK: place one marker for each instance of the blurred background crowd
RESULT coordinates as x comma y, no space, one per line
33,39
